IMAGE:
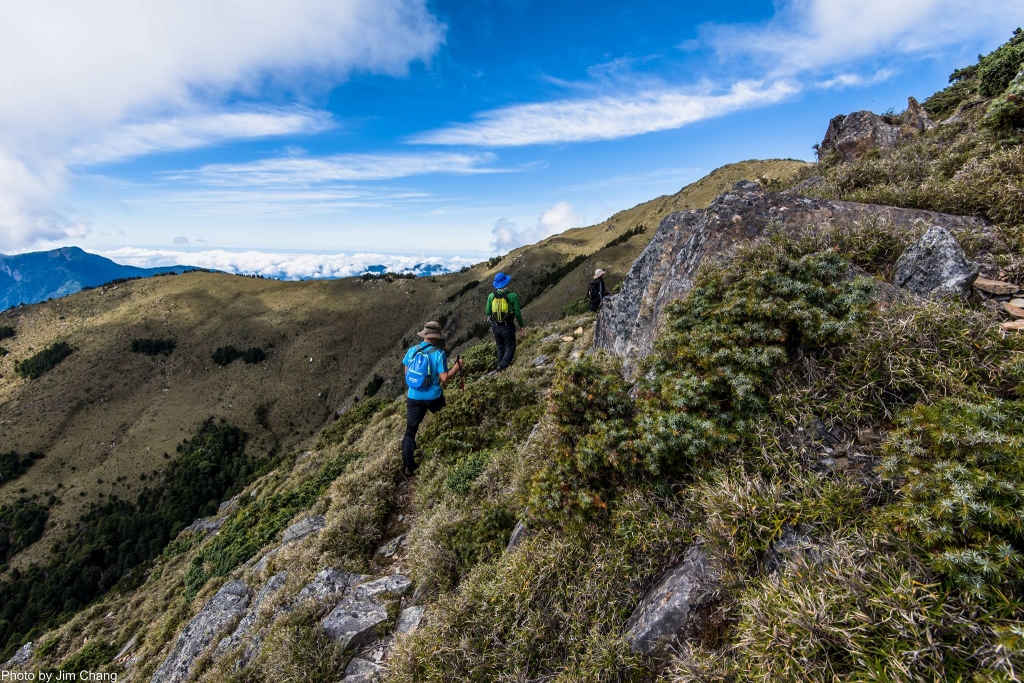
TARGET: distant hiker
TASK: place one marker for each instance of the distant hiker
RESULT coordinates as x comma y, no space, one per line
503,312
596,291
426,366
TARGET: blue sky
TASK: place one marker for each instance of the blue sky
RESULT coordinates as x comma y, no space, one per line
148,130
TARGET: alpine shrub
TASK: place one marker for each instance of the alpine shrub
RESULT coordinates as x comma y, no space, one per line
225,355
33,367
998,68
6,331
707,381
153,347
254,355
958,468
13,465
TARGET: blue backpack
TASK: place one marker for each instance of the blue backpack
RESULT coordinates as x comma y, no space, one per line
417,372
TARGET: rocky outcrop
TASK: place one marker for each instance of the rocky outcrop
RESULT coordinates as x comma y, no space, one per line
229,602
20,658
307,527
675,610
274,584
856,134
629,322
388,550
935,266
519,534
355,620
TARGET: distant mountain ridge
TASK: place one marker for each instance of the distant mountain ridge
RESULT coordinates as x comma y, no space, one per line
41,275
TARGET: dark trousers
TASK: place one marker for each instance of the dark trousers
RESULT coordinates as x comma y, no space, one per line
415,411
505,339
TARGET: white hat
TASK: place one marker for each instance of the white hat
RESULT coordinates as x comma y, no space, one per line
598,273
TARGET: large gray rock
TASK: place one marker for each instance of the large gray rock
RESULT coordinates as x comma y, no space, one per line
274,584
629,322
672,611
205,525
858,133
409,620
395,584
229,602
21,657
354,621
307,527
388,550
361,670
329,584
519,534
936,266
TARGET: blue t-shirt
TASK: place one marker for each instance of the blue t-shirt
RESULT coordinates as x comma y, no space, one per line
438,364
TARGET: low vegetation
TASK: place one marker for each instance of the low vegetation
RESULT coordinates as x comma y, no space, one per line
226,355
13,464
35,366
6,331
21,524
153,347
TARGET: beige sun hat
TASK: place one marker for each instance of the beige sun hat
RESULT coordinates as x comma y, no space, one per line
598,273
431,330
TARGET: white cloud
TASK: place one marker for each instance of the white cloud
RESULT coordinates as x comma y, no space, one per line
507,235
267,202
283,266
814,35
93,82
341,167
604,118
189,132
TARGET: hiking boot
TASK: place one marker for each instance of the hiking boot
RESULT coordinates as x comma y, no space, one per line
408,472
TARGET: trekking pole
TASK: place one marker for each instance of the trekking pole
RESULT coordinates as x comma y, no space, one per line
462,380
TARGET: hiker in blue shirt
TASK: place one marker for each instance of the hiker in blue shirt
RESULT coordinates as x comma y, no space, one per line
426,366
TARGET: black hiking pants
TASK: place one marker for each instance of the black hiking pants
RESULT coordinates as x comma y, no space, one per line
415,411
505,339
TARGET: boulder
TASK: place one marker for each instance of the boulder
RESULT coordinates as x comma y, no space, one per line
858,133
628,322
21,657
519,534
328,584
675,609
935,266
121,656
396,584
409,620
274,584
353,623
307,527
205,525
361,670
229,602
542,359
388,550
995,287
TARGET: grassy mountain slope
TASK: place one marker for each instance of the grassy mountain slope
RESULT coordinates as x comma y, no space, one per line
105,416
879,434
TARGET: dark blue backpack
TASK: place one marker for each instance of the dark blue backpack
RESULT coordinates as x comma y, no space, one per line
417,372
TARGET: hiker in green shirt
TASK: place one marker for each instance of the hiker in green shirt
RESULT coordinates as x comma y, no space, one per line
503,312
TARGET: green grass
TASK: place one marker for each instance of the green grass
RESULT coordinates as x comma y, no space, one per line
256,523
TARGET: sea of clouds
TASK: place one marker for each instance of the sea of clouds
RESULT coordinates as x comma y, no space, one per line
287,266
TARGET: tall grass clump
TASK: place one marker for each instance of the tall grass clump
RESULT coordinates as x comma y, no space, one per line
551,610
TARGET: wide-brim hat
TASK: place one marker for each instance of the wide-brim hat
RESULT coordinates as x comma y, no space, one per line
431,330
501,280
598,273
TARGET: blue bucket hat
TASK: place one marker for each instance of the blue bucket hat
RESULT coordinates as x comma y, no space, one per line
501,280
